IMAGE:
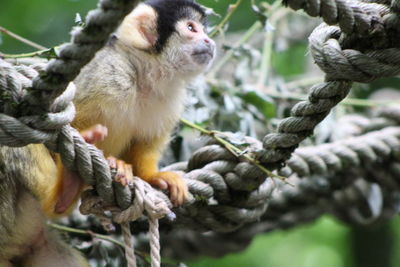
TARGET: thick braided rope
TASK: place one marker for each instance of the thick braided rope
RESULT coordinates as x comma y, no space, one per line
311,197
346,203
341,66
355,125
306,162
352,16
367,175
338,156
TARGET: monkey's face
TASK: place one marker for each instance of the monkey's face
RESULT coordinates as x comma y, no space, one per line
172,32
193,51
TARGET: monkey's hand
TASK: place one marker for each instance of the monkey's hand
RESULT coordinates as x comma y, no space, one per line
172,182
95,133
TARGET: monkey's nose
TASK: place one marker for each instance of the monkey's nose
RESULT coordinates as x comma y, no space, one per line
209,43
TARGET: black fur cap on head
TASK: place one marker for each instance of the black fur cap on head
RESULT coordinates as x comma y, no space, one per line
169,13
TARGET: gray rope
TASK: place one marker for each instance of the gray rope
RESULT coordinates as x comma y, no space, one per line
352,16
342,67
322,160
309,198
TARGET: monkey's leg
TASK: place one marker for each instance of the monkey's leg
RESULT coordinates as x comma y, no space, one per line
144,159
69,185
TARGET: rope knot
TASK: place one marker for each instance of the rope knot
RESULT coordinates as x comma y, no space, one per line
147,201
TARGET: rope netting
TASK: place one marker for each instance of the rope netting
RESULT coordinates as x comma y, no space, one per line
227,192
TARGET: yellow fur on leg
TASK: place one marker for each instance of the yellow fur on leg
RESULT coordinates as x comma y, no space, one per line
45,183
63,191
144,160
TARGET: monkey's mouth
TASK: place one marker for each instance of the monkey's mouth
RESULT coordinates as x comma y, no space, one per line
203,56
201,52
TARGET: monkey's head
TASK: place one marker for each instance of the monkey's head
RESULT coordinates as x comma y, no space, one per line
171,30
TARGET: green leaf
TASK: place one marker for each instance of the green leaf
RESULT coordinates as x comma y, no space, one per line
263,103
79,20
48,53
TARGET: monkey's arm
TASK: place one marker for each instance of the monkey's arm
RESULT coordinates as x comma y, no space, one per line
144,157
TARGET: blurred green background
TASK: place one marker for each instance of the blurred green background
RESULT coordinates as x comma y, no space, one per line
324,243
48,22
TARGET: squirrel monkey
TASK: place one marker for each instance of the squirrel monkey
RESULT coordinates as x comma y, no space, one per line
135,86
135,89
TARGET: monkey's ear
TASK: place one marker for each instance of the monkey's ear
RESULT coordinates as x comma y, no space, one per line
139,28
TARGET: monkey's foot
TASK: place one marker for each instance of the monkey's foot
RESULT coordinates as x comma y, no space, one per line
173,182
95,133
123,170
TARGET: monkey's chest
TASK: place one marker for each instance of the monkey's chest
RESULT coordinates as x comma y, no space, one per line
153,117
141,117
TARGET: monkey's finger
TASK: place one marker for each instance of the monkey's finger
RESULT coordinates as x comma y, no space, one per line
182,193
173,191
101,130
87,136
176,194
185,190
160,183
128,173
120,170
179,196
99,134
95,133
112,162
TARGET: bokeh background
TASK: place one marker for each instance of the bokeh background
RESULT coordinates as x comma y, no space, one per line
323,243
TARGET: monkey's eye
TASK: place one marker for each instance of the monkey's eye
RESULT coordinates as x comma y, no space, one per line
191,27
